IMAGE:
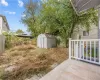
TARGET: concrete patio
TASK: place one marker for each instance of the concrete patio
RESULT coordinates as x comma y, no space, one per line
74,70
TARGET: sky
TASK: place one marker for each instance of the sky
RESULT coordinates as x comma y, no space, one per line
13,10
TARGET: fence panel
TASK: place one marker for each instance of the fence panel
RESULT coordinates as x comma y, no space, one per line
2,44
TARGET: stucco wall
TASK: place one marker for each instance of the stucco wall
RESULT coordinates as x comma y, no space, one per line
3,26
93,33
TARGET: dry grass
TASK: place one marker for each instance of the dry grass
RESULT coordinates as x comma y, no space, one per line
31,60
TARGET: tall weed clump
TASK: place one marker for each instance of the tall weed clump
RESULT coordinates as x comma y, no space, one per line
11,40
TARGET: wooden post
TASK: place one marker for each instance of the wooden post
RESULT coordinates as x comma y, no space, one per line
69,48
2,44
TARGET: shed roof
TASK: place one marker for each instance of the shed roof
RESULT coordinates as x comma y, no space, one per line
5,20
47,35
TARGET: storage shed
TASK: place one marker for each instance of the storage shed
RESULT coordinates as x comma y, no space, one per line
46,41
2,44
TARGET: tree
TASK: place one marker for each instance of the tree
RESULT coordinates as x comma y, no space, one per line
19,31
58,16
30,18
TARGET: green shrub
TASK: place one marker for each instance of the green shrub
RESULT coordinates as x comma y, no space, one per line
12,40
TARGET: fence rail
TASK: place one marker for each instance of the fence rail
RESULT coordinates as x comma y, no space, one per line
86,50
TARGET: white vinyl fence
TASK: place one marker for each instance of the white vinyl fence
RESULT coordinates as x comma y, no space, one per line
86,50
2,44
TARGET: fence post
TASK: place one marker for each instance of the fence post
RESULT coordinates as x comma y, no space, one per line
69,48
99,51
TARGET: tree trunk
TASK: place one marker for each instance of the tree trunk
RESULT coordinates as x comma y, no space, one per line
66,43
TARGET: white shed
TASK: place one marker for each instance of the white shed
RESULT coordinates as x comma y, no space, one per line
46,41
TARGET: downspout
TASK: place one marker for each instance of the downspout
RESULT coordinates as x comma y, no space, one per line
99,31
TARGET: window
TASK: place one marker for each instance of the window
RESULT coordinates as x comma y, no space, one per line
85,33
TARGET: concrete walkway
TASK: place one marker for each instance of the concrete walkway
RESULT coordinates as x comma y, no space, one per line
74,70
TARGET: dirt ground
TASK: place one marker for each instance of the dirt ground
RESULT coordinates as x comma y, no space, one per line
24,61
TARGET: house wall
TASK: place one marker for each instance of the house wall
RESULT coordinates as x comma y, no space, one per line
3,26
93,33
